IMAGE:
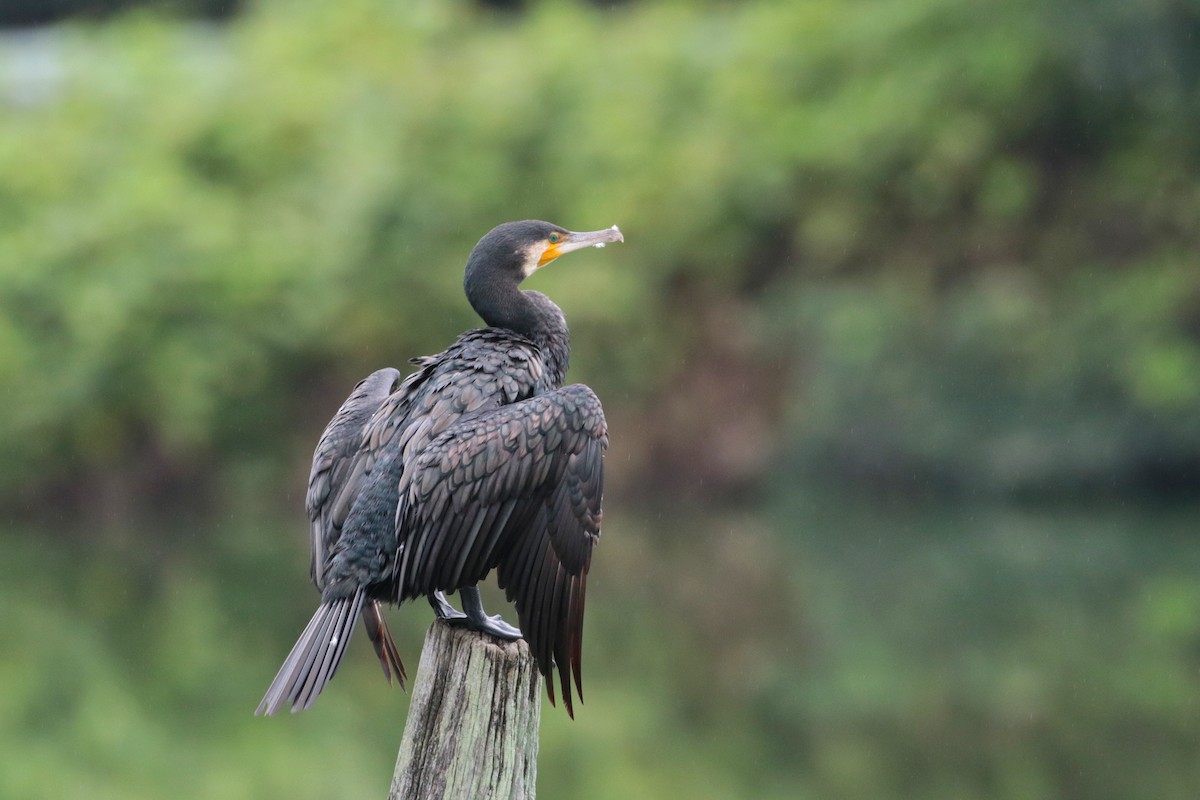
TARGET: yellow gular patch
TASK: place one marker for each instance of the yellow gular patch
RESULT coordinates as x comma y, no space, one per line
549,254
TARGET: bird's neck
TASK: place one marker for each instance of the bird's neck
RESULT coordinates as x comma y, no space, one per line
554,340
531,314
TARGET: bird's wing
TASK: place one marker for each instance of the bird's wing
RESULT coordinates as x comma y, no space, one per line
516,488
484,369
333,474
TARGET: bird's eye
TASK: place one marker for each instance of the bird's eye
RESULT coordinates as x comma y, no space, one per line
554,238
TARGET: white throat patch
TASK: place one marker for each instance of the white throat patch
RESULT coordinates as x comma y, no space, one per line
533,254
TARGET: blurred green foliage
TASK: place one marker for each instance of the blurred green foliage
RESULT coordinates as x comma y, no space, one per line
1047,654
968,237
912,247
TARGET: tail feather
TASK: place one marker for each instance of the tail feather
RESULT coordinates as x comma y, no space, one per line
315,656
327,660
385,646
280,686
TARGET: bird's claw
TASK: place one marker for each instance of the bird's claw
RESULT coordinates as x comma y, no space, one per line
493,625
501,629
445,611
476,620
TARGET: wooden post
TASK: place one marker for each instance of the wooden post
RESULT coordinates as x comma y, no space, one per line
472,729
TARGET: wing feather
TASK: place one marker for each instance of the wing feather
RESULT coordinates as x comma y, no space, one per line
465,544
336,472
516,488
353,498
479,560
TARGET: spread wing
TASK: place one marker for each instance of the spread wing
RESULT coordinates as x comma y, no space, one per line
333,475
353,492
517,489
483,370
336,475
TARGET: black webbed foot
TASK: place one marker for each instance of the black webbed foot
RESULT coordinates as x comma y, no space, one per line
477,620
445,611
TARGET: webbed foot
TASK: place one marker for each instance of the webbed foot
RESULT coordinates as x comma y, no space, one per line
445,611
477,620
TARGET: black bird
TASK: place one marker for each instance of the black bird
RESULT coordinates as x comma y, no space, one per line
479,460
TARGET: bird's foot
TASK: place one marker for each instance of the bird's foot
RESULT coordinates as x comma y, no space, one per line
476,620
445,611
493,625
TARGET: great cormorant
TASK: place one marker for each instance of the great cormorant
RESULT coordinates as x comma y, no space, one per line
479,460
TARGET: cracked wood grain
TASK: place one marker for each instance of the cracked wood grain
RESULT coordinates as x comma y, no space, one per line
472,729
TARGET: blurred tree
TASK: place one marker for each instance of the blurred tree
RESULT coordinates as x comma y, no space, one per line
926,249
24,13
901,242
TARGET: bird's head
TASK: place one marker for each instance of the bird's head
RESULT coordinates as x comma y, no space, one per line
510,253
519,249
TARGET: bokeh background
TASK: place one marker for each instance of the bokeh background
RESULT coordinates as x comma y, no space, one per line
901,360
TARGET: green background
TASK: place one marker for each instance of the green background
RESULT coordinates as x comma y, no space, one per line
901,361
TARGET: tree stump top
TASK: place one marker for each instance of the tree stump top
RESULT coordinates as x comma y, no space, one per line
472,729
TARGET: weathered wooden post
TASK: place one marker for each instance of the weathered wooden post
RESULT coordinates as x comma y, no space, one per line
472,729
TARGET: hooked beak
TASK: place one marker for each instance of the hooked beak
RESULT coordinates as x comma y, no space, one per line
573,240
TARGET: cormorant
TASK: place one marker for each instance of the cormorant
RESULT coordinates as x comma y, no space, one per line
479,460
